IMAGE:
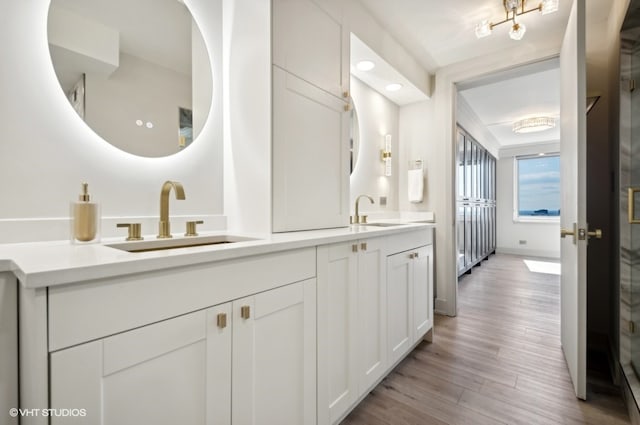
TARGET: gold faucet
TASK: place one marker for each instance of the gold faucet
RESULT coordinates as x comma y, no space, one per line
357,218
164,226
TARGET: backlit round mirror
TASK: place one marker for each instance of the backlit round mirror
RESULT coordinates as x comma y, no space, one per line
136,71
354,138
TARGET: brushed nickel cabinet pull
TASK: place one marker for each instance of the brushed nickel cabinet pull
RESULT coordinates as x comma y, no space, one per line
363,246
245,312
221,320
354,247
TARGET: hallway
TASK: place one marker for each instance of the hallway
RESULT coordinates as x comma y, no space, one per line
498,362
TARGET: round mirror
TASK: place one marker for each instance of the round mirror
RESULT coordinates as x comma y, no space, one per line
137,72
354,138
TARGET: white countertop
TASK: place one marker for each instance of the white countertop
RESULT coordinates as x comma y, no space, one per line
43,264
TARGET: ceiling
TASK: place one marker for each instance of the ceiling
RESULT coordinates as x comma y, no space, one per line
500,101
439,33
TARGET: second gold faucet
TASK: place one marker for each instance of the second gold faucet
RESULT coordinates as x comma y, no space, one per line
164,226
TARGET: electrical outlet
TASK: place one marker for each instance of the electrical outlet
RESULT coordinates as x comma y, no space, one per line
522,242
383,201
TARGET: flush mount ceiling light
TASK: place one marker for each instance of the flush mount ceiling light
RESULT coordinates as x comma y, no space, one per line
393,87
365,65
515,8
531,125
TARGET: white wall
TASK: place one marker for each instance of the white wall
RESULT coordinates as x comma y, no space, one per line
47,151
138,89
377,116
416,142
541,239
247,115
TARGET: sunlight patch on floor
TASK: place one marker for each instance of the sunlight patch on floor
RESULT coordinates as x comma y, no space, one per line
543,267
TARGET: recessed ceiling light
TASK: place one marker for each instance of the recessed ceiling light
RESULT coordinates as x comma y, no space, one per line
139,123
365,65
393,87
149,124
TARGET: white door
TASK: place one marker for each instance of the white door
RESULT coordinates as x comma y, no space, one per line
310,156
399,304
422,296
274,357
372,308
573,218
337,301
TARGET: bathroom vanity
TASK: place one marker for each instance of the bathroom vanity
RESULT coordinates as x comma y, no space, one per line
291,328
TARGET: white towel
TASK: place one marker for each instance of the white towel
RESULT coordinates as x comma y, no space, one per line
415,184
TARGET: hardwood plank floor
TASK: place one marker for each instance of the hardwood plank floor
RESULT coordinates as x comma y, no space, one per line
498,362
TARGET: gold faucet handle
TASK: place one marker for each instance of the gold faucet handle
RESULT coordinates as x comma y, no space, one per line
191,228
135,231
363,219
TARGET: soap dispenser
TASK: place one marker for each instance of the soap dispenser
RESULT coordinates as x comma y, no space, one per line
85,223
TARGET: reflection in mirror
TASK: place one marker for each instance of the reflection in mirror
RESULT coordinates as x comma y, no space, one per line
126,68
354,138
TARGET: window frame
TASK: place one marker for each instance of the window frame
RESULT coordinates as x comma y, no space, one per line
517,218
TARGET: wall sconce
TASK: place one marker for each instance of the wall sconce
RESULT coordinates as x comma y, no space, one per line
385,155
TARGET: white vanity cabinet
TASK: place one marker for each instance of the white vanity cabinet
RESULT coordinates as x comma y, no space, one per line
351,324
175,371
310,156
249,360
373,293
252,360
310,116
410,298
310,41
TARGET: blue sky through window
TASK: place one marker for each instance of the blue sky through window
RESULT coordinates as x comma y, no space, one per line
539,186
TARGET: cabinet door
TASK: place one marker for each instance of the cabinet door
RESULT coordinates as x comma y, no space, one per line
311,44
422,291
460,236
274,357
175,371
310,156
399,304
372,307
337,330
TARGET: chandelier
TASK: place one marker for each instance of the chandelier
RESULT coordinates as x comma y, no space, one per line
514,8
532,125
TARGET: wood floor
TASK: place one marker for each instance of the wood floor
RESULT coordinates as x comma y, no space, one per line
498,362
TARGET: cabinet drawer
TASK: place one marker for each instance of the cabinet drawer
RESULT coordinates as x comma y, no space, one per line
409,240
84,312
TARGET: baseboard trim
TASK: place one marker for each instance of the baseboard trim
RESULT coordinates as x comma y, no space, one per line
442,307
529,252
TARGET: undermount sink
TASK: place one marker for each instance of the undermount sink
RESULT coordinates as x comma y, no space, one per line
383,224
187,242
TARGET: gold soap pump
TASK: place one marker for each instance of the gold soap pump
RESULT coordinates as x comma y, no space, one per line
85,214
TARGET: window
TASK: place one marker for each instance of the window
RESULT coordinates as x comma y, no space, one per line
537,188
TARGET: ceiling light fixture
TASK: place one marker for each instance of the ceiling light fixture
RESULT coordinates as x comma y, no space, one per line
515,8
531,125
365,65
393,87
